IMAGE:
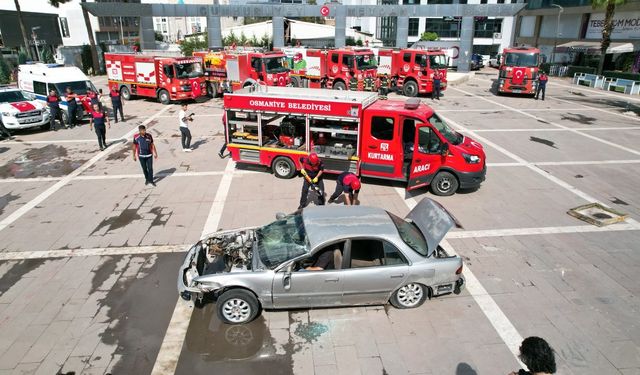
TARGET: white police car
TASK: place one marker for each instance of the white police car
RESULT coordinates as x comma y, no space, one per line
20,110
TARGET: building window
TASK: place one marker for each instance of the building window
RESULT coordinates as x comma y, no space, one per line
411,2
64,27
485,28
483,1
445,28
500,1
439,1
414,24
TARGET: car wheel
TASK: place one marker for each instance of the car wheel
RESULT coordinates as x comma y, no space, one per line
163,97
295,82
212,89
65,119
339,86
444,184
237,306
283,167
125,93
410,89
409,296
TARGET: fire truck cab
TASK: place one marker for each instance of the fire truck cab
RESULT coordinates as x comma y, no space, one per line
238,68
519,71
412,69
351,131
340,69
163,78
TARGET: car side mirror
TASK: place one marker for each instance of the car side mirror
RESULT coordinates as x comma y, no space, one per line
280,216
444,149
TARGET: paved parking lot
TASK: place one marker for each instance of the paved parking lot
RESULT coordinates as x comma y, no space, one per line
89,254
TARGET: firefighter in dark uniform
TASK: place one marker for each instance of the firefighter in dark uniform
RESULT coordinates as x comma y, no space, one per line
99,118
542,85
312,170
349,184
72,107
353,83
437,78
368,84
116,104
384,85
53,101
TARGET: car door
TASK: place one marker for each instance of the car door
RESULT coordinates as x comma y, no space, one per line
428,156
375,269
381,145
293,289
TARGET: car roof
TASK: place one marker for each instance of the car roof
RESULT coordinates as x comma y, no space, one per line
8,88
336,222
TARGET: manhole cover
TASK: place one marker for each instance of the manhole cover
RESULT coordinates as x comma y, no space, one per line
597,214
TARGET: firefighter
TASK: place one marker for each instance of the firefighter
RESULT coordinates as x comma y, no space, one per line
312,170
99,118
542,84
116,104
437,77
53,101
368,84
384,85
353,83
349,184
93,97
72,107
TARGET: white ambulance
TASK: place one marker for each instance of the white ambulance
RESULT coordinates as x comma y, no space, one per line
39,78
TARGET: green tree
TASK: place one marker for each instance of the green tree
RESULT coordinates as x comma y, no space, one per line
242,40
46,56
5,71
194,44
350,41
359,43
429,36
85,58
22,56
610,8
158,36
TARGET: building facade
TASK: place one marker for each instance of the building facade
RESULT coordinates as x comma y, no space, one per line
576,28
42,29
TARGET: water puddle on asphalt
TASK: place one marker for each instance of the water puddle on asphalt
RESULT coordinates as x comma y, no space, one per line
50,160
543,141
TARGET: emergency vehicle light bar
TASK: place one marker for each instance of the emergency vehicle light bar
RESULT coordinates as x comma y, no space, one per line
412,103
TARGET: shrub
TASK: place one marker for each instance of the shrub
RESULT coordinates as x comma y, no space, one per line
580,69
622,75
5,71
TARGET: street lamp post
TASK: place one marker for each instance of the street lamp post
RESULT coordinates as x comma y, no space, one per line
555,40
35,41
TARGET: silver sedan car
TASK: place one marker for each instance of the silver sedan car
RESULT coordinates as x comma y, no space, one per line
324,256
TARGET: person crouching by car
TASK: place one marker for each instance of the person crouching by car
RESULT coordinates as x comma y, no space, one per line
349,184
100,120
538,356
312,170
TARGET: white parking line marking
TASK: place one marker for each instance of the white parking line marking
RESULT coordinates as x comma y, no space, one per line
534,168
537,231
103,251
597,92
197,115
555,129
492,110
503,326
109,141
60,184
167,360
559,163
612,144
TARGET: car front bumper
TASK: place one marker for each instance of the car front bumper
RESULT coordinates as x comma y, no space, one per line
472,180
13,123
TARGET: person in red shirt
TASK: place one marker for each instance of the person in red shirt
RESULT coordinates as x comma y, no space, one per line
349,184
116,103
98,120
437,78
144,149
53,101
542,84
312,170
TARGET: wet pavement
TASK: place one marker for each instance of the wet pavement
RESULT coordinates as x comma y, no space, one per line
88,269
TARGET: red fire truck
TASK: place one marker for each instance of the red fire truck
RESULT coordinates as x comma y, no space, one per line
341,69
519,70
238,68
351,131
412,69
164,78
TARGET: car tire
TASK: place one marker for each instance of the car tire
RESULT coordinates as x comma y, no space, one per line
125,93
283,167
65,119
444,184
339,86
295,82
410,89
237,306
409,296
163,97
212,89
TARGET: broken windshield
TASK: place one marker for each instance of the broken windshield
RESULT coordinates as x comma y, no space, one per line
282,240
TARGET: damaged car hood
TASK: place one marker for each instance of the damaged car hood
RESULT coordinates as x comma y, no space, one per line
433,220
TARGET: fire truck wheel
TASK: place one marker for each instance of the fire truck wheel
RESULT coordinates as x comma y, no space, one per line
295,82
444,184
163,97
283,167
212,89
339,86
125,93
410,89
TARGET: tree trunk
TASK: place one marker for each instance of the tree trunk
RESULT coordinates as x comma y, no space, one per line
92,42
25,37
606,33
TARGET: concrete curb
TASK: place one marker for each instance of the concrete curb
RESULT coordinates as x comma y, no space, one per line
455,79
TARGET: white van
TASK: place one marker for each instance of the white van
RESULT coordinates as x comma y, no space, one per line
39,78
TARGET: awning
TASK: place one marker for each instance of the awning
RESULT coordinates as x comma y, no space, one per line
594,47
